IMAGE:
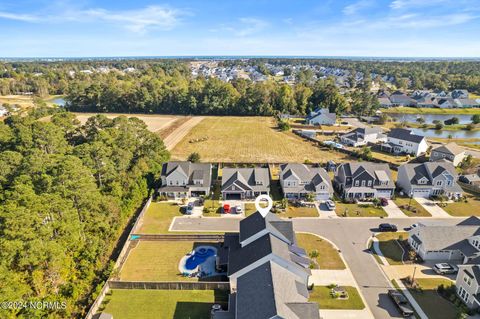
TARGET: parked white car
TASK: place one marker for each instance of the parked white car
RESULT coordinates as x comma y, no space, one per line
330,204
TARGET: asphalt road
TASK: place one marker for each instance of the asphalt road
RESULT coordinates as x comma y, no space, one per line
351,237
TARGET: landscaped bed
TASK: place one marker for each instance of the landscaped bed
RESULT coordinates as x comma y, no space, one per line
462,208
158,218
390,246
404,202
328,256
154,304
321,295
156,261
434,305
359,210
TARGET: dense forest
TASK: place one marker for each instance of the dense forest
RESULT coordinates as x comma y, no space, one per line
67,192
166,86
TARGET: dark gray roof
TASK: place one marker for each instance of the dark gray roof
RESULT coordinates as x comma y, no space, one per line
405,135
271,290
256,223
377,170
246,178
430,170
450,148
308,174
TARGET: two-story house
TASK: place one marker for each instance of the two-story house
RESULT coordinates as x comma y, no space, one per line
450,152
321,117
399,98
364,180
403,141
363,136
454,243
298,180
467,284
429,179
268,273
185,179
245,183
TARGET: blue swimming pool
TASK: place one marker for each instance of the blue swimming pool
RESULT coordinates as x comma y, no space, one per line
198,257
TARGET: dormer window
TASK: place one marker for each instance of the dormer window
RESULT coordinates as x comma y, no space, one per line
363,183
357,183
258,183
439,183
369,183
170,183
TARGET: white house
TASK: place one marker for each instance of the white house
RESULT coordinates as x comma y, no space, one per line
298,180
403,141
468,285
321,117
363,136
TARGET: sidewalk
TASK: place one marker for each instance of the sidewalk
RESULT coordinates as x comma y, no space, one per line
325,277
345,314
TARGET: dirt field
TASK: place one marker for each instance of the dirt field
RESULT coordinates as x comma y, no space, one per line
248,140
179,133
154,122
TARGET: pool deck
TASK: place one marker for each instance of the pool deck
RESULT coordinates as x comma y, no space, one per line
208,266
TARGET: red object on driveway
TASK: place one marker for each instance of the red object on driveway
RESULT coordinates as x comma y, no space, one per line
226,209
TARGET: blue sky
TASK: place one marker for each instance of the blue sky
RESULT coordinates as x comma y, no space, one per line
448,28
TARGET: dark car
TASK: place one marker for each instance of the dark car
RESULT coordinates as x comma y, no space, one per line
387,227
401,302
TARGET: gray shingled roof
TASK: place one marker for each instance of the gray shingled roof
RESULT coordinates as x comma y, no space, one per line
255,223
446,237
193,171
450,148
429,170
306,173
377,170
271,290
405,135
246,177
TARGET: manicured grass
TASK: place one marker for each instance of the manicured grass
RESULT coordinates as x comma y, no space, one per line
355,210
249,140
321,295
431,302
390,248
328,258
250,209
292,212
158,217
414,110
156,261
153,304
405,201
214,207
462,208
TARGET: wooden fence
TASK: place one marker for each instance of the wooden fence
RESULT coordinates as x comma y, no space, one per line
169,285
471,188
173,237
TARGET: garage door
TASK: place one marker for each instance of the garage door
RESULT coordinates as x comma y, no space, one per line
233,196
421,193
324,196
384,194
198,193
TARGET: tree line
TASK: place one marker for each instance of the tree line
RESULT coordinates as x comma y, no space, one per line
67,192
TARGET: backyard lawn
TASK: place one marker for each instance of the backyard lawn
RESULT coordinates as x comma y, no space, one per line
156,261
405,201
248,140
158,217
469,208
328,258
321,295
153,304
434,305
389,158
356,210
390,248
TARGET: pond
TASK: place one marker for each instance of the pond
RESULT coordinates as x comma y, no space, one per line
446,133
429,118
58,100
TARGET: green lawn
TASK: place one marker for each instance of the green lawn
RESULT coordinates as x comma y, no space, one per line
462,208
355,210
214,207
390,247
158,217
153,304
405,202
250,209
293,211
156,261
329,257
431,303
321,295
389,158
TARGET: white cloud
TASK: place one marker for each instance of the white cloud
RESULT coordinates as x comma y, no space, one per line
357,6
138,20
249,26
407,4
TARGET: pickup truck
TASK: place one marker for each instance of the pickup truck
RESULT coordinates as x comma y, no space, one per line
401,302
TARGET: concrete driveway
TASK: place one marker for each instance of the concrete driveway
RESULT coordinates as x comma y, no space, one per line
432,208
393,211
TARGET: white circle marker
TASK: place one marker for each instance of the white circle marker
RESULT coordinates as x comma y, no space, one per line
263,210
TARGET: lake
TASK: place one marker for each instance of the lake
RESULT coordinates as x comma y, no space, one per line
58,100
445,133
429,118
